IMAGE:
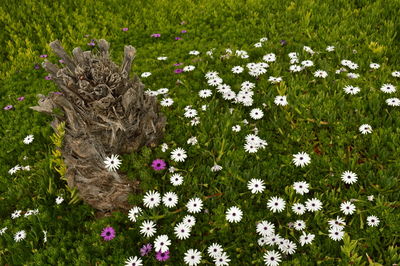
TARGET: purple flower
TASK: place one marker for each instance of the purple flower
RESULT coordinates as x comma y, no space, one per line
8,107
283,42
179,70
156,35
124,29
158,164
21,98
108,233
61,61
37,66
162,256
145,249
58,92
178,38
43,55
183,31
178,64
91,43
47,77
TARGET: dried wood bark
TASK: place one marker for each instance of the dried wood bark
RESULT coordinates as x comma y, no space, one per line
105,112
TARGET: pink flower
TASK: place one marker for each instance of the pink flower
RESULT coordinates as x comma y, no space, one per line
158,165
8,107
43,55
183,31
178,38
124,29
178,64
47,77
61,61
108,233
162,256
156,35
21,98
178,71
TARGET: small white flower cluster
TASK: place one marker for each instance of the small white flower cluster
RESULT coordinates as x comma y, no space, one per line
253,143
17,168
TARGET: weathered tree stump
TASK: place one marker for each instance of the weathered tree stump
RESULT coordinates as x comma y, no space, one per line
105,112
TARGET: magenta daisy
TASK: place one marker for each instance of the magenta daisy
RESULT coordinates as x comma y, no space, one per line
108,233
21,98
158,165
178,71
162,256
124,29
156,35
8,107
145,249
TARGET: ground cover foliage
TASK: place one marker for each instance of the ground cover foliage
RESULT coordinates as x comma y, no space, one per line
320,119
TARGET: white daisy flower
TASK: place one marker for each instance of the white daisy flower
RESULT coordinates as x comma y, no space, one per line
272,258
20,235
372,220
276,204
301,159
347,208
195,121
263,39
251,147
374,65
133,261
306,238
345,62
393,101
214,250
151,93
262,241
190,113
370,197
295,68
28,139
16,214
229,95
178,155
162,91
166,102
188,68
288,247
256,113
258,45
211,75
176,179
396,74
247,85
151,199
59,200
215,81
293,55
265,228
234,214
280,100
161,243
28,213
365,129
272,240
189,220
313,205
164,147
330,48
338,223
134,213
237,69
274,80
236,128
351,89
294,61
3,230
182,231
216,168
388,88
353,75
308,50
298,208
222,259
320,74
205,93
299,225
14,169
301,187
145,74
192,257
112,163
269,57
194,52
170,199
307,63
256,185
349,177
194,205
336,234
162,58
352,66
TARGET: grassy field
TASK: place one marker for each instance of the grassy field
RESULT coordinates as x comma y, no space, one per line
320,119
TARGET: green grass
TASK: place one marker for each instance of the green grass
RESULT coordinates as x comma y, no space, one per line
320,119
